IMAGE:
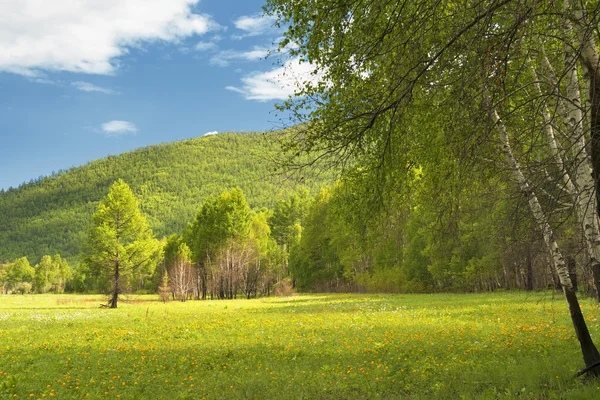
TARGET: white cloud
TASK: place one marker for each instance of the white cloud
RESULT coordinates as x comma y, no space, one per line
223,58
118,128
211,133
42,79
277,84
90,87
88,36
254,25
204,46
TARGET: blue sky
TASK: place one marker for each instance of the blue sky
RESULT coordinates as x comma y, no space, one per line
83,79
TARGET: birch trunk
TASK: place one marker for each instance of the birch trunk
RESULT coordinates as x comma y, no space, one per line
590,354
588,55
584,177
582,190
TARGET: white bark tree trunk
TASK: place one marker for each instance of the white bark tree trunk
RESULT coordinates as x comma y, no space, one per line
534,204
591,356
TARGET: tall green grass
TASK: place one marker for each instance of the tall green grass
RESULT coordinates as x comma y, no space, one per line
505,345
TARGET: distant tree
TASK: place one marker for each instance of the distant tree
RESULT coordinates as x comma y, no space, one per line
2,276
120,244
313,261
217,238
18,275
164,290
286,215
171,247
64,273
182,273
52,274
259,244
44,274
286,224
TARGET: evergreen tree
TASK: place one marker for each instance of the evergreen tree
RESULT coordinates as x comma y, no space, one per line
164,290
120,244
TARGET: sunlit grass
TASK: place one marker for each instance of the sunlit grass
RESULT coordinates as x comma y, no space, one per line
318,347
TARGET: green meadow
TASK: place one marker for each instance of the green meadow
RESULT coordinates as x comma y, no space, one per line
504,345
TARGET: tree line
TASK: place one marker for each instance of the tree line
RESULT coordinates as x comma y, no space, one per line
50,275
228,250
476,237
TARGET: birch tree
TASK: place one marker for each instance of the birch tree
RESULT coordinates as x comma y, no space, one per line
578,180
384,67
590,353
217,239
182,273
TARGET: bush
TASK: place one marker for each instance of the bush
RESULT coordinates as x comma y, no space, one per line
164,290
284,288
23,287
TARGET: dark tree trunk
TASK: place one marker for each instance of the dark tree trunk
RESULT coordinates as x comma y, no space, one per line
596,277
595,148
590,353
595,128
572,266
529,283
555,281
204,281
594,74
115,295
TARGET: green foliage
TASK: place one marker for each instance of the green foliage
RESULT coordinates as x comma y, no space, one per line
17,275
224,218
53,214
404,101
313,261
52,274
468,239
120,245
287,215
170,250
232,247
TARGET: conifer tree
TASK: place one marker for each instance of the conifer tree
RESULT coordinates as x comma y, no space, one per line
120,245
164,290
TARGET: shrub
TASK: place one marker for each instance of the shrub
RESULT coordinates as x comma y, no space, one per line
284,288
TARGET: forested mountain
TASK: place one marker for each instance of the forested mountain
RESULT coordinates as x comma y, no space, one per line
52,215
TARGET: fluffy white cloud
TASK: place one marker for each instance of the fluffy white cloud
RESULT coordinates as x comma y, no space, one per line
254,25
90,87
223,58
118,128
277,84
211,133
88,36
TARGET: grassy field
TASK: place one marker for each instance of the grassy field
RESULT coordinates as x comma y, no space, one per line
504,345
